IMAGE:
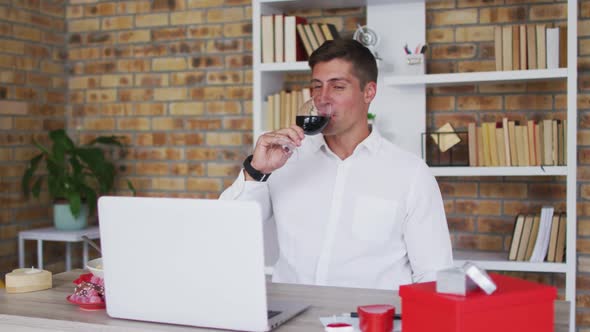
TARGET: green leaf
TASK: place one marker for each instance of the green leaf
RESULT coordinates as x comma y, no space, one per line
37,187
31,168
131,187
60,137
75,203
90,196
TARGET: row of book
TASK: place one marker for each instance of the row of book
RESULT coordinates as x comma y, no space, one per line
281,108
290,38
509,143
538,238
533,46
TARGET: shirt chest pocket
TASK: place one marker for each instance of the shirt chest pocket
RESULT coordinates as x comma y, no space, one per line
374,218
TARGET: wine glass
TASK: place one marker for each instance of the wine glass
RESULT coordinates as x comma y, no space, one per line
311,118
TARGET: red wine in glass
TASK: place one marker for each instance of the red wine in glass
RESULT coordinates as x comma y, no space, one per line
313,119
312,124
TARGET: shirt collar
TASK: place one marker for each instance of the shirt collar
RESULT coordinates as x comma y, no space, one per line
371,143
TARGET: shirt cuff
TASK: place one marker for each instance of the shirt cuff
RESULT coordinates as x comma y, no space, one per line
241,187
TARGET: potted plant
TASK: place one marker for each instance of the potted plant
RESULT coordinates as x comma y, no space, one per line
76,176
371,119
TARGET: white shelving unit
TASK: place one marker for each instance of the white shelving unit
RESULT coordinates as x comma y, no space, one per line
401,22
489,77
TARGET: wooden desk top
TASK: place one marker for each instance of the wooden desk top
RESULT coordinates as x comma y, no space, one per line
48,310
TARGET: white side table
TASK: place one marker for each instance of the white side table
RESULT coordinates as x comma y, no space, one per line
52,234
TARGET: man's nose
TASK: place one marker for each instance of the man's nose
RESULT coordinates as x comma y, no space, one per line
323,96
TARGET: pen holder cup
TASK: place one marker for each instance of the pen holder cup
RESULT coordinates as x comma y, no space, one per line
415,64
376,317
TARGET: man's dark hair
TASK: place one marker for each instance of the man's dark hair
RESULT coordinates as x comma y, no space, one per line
364,65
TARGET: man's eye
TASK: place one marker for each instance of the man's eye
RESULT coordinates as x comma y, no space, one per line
315,87
338,87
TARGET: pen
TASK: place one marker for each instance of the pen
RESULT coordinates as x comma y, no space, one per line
406,49
423,49
355,315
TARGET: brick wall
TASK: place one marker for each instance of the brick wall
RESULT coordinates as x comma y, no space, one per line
174,78
32,101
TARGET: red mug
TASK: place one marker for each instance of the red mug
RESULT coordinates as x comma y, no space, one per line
376,317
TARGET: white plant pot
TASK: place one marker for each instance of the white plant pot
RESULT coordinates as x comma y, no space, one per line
64,220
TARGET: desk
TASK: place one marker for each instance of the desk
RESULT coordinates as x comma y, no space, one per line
52,234
49,311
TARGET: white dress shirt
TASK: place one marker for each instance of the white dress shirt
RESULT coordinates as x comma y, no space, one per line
373,220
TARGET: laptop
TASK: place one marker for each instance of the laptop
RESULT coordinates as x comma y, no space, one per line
183,261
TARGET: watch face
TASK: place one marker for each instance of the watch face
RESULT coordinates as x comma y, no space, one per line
480,277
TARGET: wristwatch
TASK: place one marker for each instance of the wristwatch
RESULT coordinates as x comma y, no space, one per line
253,172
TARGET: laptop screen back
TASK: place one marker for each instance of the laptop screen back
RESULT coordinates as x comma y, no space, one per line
184,261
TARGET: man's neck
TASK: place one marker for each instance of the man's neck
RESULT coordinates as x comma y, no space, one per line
344,145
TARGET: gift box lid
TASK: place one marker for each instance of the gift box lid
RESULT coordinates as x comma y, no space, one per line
510,291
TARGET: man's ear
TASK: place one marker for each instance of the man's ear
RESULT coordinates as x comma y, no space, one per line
369,92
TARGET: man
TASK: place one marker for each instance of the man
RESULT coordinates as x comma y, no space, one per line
351,208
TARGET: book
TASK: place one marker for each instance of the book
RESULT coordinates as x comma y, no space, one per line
318,34
506,142
472,141
560,146
294,48
564,141
480,150
561,239
541,47
524,238
500,144
515,47
270,113
268,43
538,144
485,142
531,41
306,43
563,47
507,47
532,238
491,132
547,143
279,34
554,141
519,142
531,142
512,139
311,37
498,47
552,37
553,238
542,243
523,47
516,235
445,137
330,31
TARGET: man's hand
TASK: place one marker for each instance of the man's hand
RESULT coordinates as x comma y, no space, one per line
274,148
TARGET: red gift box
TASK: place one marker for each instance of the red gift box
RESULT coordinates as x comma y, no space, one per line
517,305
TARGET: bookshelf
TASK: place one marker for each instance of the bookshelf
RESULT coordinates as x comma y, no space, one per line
404,22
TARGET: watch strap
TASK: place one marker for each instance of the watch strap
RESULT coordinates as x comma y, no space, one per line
253,172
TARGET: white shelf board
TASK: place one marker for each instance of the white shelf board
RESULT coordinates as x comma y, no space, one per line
475,77
499,262
283,66
500,171
291,5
